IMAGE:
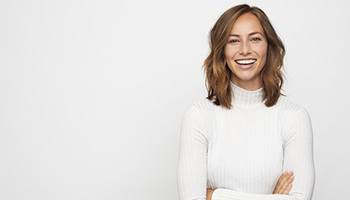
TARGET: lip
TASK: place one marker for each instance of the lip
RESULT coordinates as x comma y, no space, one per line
246,59
245,66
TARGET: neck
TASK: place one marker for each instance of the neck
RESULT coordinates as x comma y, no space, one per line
242,97
248,85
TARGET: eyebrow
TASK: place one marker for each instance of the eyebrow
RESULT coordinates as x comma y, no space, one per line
252,33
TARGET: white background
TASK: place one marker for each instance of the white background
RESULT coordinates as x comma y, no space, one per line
92,92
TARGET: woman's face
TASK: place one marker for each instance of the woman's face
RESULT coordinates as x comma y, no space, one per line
245,51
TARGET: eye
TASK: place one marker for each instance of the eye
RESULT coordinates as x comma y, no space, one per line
233,41
256,39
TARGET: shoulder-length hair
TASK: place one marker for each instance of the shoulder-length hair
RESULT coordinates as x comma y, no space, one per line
218,74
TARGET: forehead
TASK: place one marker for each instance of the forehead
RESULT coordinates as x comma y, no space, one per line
246,24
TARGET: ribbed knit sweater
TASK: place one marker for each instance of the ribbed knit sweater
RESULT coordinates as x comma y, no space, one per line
243,151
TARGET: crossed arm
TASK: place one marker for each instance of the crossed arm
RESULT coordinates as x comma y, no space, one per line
192,168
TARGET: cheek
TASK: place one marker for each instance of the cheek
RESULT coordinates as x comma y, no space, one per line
261,50
230,51
262,53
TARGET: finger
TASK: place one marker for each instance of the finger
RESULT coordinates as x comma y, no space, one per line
282,177
288,188
289,181
282,181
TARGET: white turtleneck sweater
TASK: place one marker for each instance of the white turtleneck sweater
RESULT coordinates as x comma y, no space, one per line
242,151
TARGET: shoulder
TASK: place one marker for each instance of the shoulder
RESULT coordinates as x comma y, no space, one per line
197,117
294,118
290,108
201,106
199,112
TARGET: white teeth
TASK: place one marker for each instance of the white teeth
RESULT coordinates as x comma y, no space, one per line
245,61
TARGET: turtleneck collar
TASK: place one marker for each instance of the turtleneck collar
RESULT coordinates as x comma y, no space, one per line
246,98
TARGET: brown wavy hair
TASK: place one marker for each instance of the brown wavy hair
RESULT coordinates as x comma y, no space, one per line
218,74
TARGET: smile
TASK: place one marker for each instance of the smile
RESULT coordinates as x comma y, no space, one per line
247,61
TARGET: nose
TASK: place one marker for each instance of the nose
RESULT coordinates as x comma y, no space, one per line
245,48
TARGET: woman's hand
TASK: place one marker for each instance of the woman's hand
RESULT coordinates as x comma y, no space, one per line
209,193
283,186
284,183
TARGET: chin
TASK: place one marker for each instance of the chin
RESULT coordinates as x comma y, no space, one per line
241,78
245,75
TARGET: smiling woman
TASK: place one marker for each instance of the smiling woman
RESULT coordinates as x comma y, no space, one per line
246,51
242,33
246,140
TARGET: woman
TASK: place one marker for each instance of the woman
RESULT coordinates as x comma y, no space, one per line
246,140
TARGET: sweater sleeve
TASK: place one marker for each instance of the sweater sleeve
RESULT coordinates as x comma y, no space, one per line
192,167
298,157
